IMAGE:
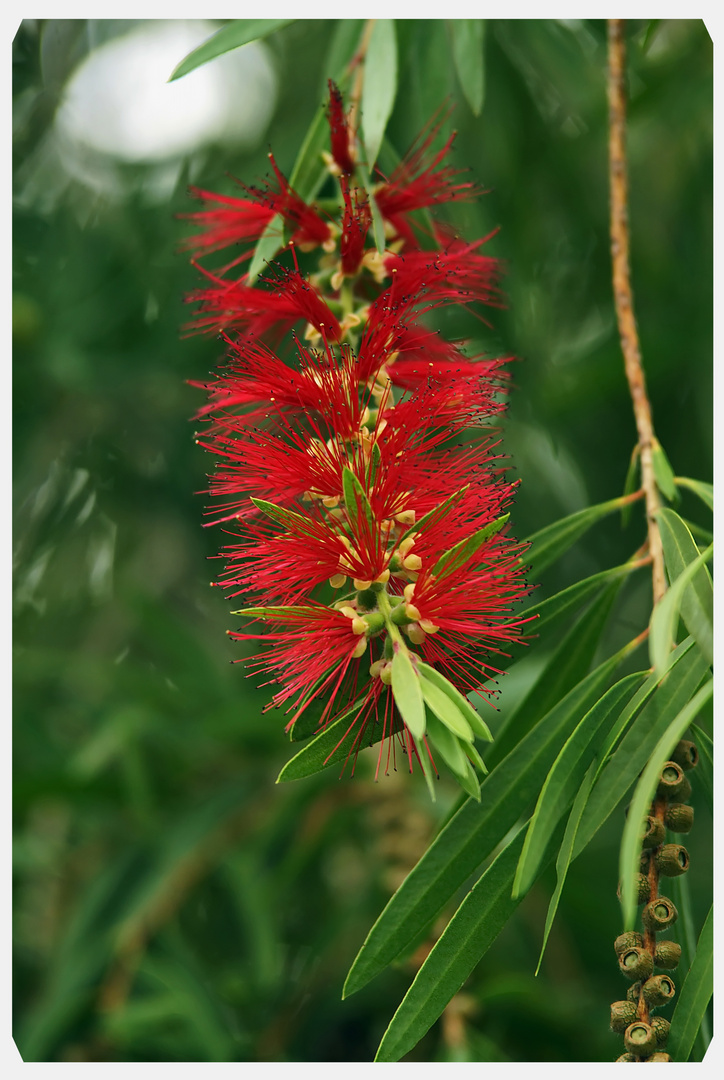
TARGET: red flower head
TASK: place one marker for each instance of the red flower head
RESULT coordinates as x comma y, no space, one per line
357,472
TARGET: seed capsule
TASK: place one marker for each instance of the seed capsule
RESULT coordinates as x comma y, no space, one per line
661,1027
660,1055
679,817
672,860
659,914
623,1013
658,990
630,940
636,963
640,1039
667,955
654,832
686,754
643,889
673,784
627,1057
634,992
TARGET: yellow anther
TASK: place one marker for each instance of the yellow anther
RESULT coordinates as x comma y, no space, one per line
412,562
335,282
428,627
406,517
359,626
338,514
406,546
311,333
383,578
330,501
348,611
350,320
386,673
361,583
329,245
359,649
416,634
376,668
408,591
337,580
412,612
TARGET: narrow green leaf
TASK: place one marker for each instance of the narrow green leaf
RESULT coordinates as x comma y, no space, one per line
473,718
615,778
665,616
681,895
695,995
467,937
407,691
697,605
566,667
705,772
289,519
467,46
447,743
232,36
379,87
550,543
565,777
641,801
445,709
343,45
356,501
426,766
630,483
291,612
565,854
568,600
458,555
269,243
437,514
473,833
335,743
663,473
378,224
699,487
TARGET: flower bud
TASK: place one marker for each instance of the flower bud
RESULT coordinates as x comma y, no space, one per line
667,955
386,674
623,1013
416,635
630,940
660,1055
661,1027
359,648
640,1039
337,580
679,817
673,784
672,860
659,914
634,992
658,990
654,832
686,754
636,963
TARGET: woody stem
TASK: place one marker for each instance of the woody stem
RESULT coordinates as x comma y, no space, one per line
623,296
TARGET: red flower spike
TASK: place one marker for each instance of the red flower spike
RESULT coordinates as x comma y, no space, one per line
359,479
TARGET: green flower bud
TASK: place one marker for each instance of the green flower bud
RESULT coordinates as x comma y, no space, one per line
623,1013
640,1039
667,955
636,963
673,784
679,817
686,754
659,914
629,940
658,990
672,860
654,832
661,1027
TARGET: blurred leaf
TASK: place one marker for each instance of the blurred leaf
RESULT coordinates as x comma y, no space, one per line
694,997
232,36
472,929
467,46
681,895
379,87
407,691
697,603
344,44
568,600
378,224
269,243
624,765
706,761
665,617
641,801
630,484
663,473
565,777
703,490
473,833
550,543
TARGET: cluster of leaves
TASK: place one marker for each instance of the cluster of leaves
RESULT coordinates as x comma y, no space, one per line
172,903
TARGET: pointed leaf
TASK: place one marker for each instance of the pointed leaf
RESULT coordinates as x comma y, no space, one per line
630,483
473,718
665,616
378,223
697,604
356,501
568,600
641,801
379,87
446,710
550,543
269,243
467,46
289,519
663,473
290,612
705,772
457,556
338,740
438,513
473,833
407,691
694,997
232,36
565,777
448,744
699,487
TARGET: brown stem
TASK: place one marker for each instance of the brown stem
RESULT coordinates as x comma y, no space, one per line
358,61
623,297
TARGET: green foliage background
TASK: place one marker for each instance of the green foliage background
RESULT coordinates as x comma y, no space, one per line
171,903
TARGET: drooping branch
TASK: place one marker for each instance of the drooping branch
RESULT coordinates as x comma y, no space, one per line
623,296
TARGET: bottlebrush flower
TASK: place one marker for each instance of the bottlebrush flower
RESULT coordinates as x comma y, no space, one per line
357,469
